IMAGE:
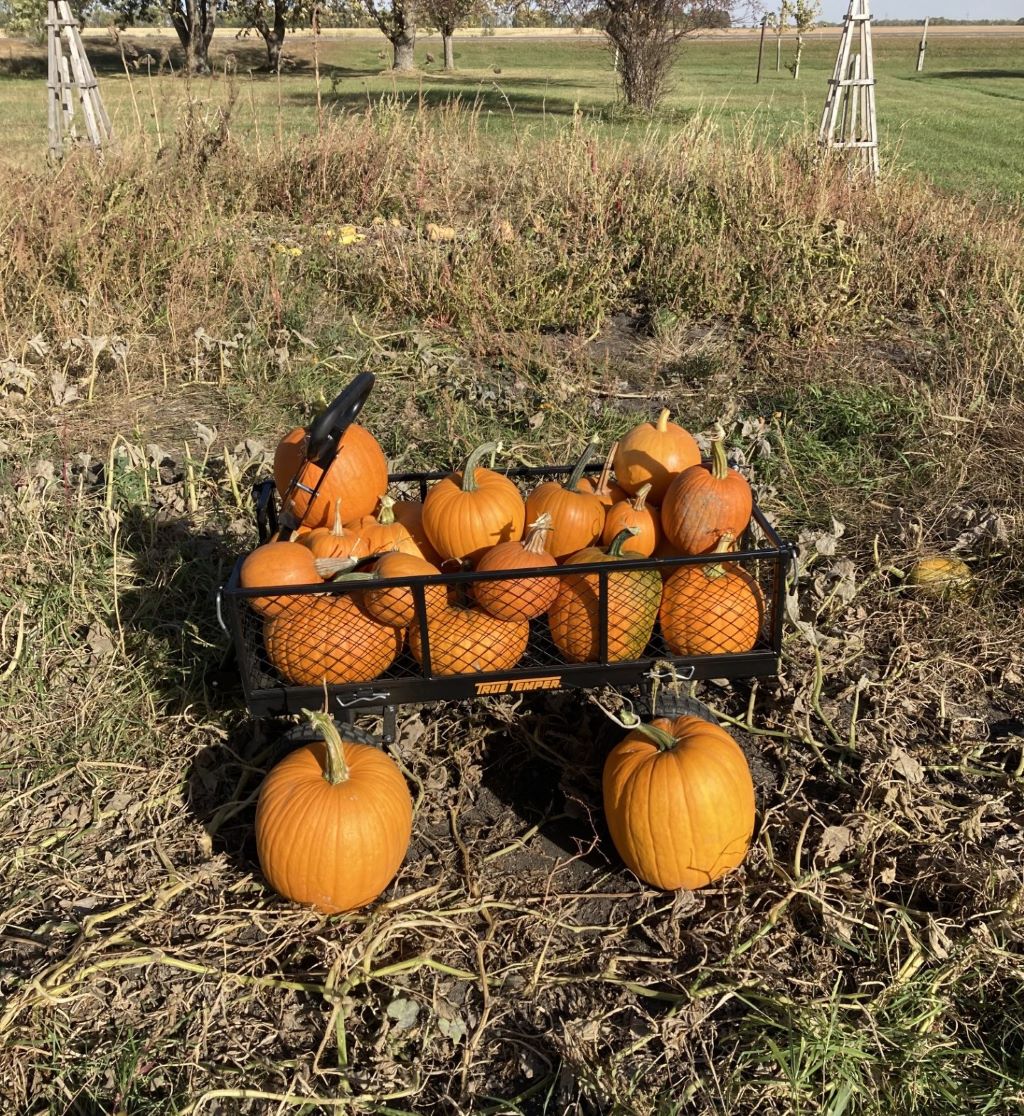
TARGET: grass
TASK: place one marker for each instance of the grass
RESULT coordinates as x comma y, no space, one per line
155,343
541,83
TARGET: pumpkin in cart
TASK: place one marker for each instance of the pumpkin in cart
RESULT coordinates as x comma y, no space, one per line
654,453
472,510
633,599
333,822
715,609
395,605
635,513
469,641
384,532
336,541
576,517
410,514
603,487
330,640
278,563
679,802
518,598
358,474
705,502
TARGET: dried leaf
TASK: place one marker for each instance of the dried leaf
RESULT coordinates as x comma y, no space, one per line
904,764
835,840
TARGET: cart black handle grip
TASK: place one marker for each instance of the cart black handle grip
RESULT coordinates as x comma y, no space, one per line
326,430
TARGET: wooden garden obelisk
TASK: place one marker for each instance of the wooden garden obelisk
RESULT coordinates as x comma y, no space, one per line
71,84
849,122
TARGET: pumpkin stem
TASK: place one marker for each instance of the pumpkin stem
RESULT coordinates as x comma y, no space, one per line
328,567
604,480
615,550
336,528
577,474
662,424
387,511
534,543
719,462
641,496
664,740
335,769
723,546
469,469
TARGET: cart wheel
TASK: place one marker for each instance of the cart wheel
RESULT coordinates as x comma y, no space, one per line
672,706
306,733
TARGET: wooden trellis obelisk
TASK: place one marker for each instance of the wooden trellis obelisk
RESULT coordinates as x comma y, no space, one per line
71,83
849,122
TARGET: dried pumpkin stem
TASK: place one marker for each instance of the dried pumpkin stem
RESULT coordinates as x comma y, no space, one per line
387,511
469,469
335,769
577,474
337,530
640,499
328,567
719,462
662,424
723,546
615,549
534,543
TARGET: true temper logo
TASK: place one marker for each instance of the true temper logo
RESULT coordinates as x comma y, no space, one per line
519,685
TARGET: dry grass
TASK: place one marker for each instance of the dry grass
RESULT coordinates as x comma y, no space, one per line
867,958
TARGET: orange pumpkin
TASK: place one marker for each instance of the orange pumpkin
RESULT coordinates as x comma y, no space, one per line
330,640
634,513
653,453
679,801
577,517
520,598
333,822
336,542
470,641
706,502
410,514
358,474
603,487
384,532
395,605
470,511
633,598
711,609
278,563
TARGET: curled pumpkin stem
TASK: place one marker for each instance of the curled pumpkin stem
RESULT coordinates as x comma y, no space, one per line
335,768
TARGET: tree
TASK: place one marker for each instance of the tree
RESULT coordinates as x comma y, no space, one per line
777,21
271,18
805,15
446,15
397,21
195,21
647,35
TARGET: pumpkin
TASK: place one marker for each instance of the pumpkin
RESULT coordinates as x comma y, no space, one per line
577,517
939,578
633,598
634,513
410,514
384,532
333,822
470,641
603,487
654,453
358,473
330,640
520,598
470,511
713,609
335,542
705,502
395,605
278,563
679,801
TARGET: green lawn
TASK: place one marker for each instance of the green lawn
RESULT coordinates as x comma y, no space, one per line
951,123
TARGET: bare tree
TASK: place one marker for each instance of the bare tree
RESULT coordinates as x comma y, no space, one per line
778,22
397,21
446,15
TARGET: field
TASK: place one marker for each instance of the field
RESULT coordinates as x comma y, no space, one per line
533,85
166,314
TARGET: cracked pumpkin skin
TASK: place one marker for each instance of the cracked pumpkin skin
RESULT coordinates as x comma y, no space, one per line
679,801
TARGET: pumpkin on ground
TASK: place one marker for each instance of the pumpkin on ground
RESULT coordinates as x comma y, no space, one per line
330,640
679,801
520,598
336,541
654,453
634,513
470,511
333,822
576,517
358,474
705,502
939,578
633,598
278,563
711,609
395,605
469,641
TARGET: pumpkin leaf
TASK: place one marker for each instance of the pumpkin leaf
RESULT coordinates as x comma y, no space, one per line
404,1012
454,1028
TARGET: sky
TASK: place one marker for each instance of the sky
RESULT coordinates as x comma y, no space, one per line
917,9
